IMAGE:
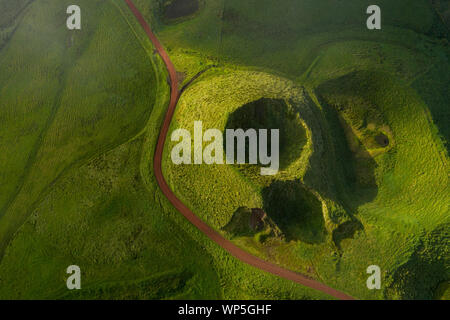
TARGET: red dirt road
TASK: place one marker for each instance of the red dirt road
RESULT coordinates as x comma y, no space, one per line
185,211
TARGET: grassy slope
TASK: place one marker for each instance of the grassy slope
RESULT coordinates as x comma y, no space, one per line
412,194
221,92
103,210
410,203
101,217
115,239
99,213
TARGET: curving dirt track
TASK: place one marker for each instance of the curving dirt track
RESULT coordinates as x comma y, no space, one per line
185,211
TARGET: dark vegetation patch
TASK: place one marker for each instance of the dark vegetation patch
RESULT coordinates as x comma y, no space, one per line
295,210
248,222
198,75
272,114
257,219
433,88
426,269
174,9
441,23
181,76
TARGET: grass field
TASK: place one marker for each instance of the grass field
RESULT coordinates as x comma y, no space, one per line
364,175
386,202
83,192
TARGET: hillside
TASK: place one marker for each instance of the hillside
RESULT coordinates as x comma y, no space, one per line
364,144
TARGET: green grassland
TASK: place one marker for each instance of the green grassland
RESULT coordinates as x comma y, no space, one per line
364,175
382,203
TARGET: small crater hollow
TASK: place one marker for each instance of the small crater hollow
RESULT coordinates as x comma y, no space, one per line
270,114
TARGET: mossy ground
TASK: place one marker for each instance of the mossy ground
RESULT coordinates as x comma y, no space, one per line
376,156
76,181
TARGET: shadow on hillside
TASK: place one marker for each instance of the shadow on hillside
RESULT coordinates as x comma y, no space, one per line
419,277
295,210
176,9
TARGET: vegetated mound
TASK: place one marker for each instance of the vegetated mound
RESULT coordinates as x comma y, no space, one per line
174,9
391,122
247,222
296,211
256,100
443,291
9,17
269,114
424,274
402,170
160,286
